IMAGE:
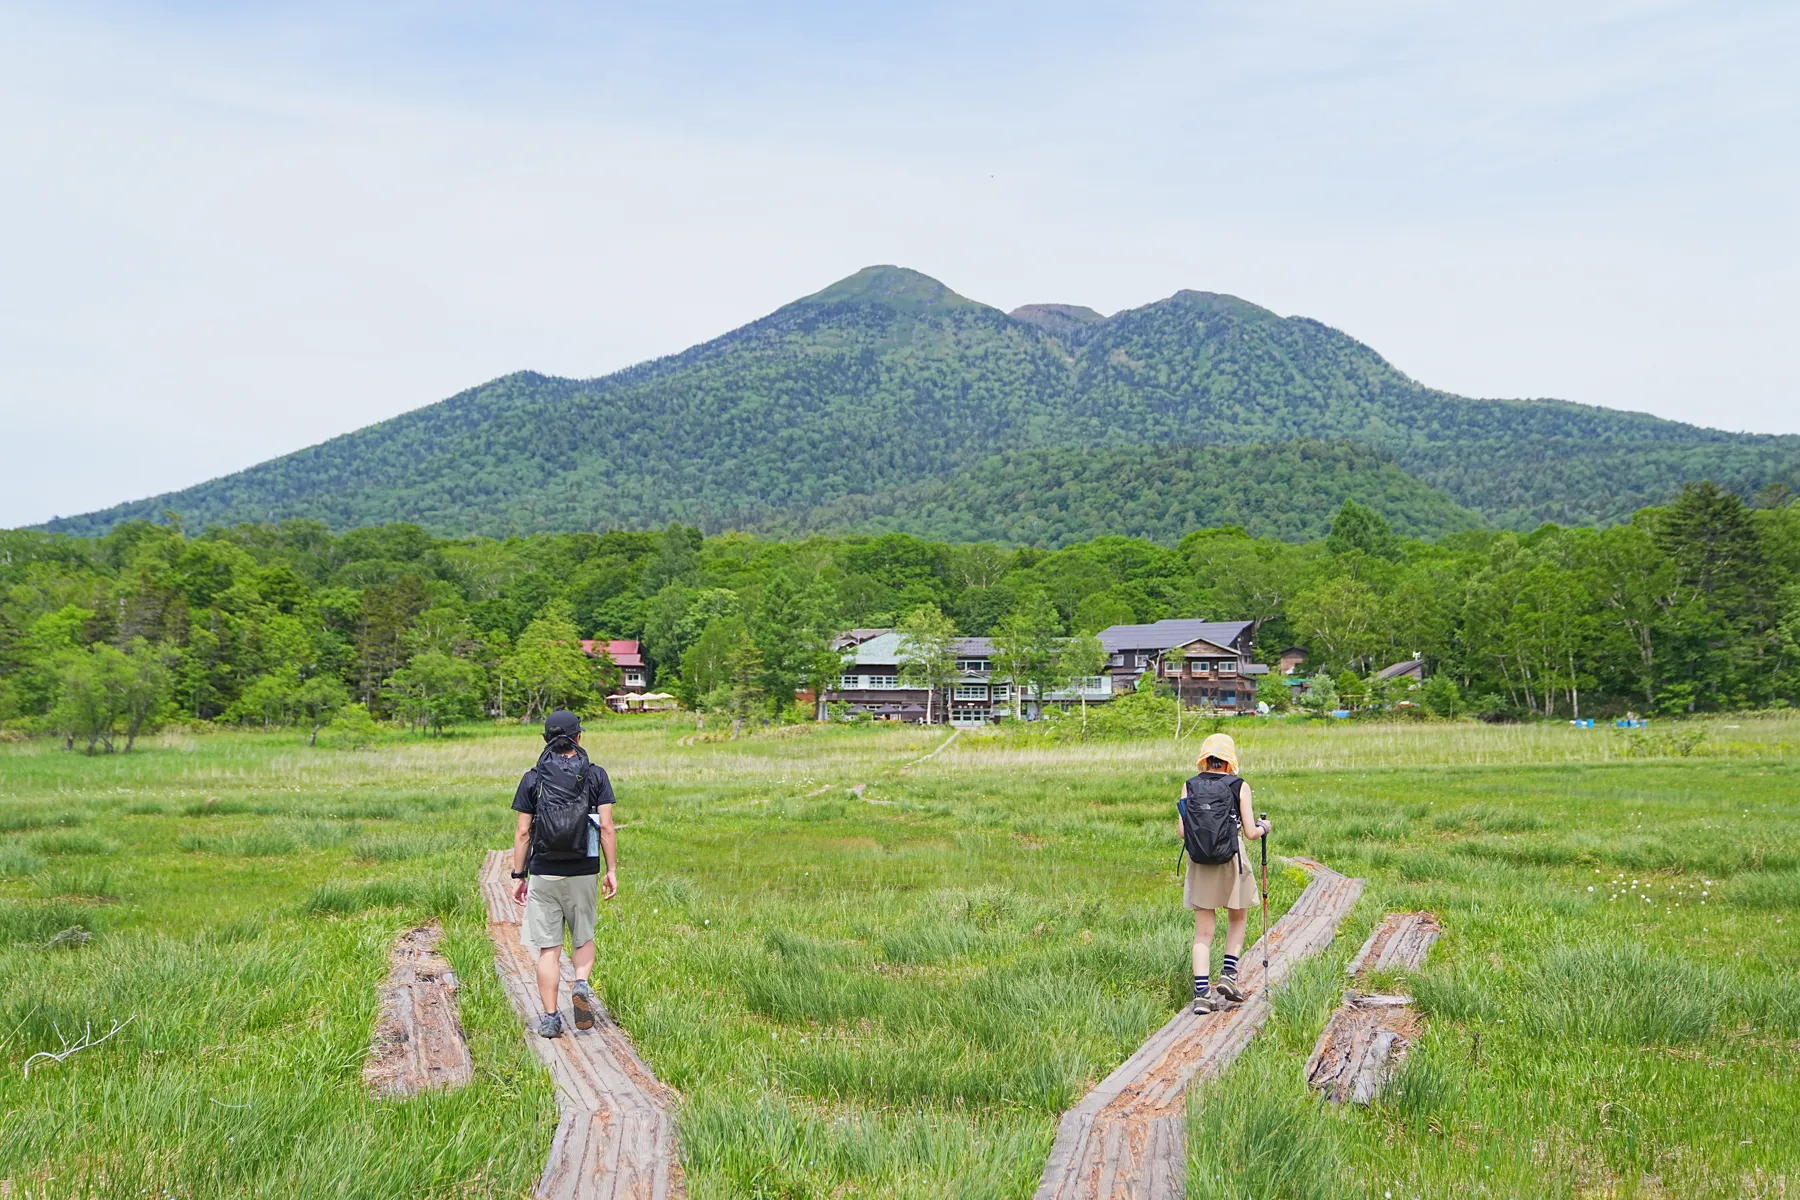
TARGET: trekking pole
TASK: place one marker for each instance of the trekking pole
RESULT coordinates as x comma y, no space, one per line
1265,897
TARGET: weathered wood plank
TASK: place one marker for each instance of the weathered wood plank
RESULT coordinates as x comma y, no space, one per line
615,1138
418,1043
1128,1136
1399,943
1368,1036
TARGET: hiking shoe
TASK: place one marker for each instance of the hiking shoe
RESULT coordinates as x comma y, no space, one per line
550,1025
1227,987
583,996
1205,1002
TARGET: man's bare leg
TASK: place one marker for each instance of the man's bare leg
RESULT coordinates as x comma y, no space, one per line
584,959
549,973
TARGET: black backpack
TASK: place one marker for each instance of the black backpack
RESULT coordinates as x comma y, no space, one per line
1209,818
559,828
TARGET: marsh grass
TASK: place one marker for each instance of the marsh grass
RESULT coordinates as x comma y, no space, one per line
438,896
88,883
25,817
17,860
34,924
896,995
400,847
60,845
1767,891
1257,1134
271,844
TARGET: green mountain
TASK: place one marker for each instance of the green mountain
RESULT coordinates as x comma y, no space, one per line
888,385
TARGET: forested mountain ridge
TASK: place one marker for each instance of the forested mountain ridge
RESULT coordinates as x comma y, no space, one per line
889,380
1054,498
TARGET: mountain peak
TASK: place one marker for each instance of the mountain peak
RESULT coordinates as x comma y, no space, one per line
896,287
1057,318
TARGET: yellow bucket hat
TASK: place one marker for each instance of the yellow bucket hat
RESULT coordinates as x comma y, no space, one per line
1218,745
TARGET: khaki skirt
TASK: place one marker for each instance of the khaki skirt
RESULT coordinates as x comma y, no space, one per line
1222,885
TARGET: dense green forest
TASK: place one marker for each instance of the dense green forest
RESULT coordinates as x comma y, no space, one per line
813,416
1053,498
1690,606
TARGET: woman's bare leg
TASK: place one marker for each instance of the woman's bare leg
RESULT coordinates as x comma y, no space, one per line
1206,923
1236,921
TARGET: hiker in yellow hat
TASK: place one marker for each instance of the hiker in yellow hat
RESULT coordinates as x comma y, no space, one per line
1215,818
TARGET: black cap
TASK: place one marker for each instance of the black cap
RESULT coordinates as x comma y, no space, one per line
561,723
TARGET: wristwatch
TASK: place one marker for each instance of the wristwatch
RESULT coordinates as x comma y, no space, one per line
520,874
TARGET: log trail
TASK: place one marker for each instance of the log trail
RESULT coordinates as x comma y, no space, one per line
1128,1137
418,1042
616,1136
1369,1035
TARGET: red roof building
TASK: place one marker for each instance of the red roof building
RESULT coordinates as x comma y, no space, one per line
627,657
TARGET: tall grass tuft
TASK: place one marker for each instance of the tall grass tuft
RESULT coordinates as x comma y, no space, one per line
1257,1134
400,847
20,820
927,944
57,845
1304,1001
38,923
1425,1087
93,883
1458,993
442,897
17,861
1764,889
1625,993
240,845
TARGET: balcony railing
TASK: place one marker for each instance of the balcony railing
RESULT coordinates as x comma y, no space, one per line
869,683
1085,688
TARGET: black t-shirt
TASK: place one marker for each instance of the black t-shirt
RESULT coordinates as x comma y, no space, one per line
599,791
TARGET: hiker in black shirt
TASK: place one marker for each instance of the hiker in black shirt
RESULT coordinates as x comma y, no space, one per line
565,823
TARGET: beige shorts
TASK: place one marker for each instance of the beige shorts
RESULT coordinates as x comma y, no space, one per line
553,901
1222,885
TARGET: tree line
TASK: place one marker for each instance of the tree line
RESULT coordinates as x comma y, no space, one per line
1690,606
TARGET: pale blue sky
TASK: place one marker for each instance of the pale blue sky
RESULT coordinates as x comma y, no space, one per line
235,230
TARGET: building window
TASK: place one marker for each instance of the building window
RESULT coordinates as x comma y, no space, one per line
850,682
1198,666
881,681
634,677
1228,668
1117,660
1003,691
971,691
1172,668
1227,699
972,665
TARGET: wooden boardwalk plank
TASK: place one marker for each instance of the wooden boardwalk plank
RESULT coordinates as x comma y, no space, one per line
1369,1035
1128,1137
418,1042
1400,943
615,1139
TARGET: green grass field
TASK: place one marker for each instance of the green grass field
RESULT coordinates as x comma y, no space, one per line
897,994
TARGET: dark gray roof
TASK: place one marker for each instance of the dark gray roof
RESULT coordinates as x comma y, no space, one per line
1164,634
1401,668
1256,669
973,647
